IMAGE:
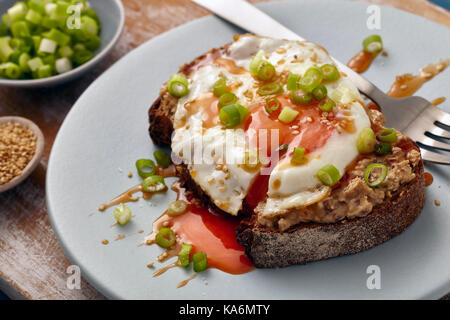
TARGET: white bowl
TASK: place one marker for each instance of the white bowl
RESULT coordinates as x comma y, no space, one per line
112,18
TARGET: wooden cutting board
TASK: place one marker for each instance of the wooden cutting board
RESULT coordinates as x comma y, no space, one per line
32,263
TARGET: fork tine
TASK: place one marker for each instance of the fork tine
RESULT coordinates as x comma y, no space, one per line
440,132
441,116
434,143
435,157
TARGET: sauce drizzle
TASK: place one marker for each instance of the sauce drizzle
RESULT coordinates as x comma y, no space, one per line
185,282
362,61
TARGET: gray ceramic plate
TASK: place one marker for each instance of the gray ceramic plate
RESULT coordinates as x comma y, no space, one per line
106,131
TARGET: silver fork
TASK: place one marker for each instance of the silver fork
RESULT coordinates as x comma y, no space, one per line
414,116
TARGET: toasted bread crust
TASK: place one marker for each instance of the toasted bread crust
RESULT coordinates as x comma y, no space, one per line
304,242
310,242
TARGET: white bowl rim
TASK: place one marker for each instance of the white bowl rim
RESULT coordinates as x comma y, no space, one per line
67,75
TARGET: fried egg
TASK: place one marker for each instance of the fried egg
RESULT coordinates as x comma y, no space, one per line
217,157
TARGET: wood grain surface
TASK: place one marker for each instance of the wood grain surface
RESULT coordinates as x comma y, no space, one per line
32,263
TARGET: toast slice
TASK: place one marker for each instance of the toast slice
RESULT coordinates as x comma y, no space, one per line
308,240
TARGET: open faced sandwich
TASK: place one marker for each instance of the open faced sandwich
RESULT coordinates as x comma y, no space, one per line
271,131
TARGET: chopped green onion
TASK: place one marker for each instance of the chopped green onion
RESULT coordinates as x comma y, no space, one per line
165,238
33,16
82,56
380,176
271,88
387,135
5,49
23,62
266,71
122,214
254,65
65,52
382,148
373,43
6,20
153,184
243,111
184,254
17,11
145,167
220,87
44,72
297,157
200,261
320,92
59,37
365,142
301,97
178,85
37,5
272,105
89,26
35,64
329,175
326,105
227,98
287,115
177,208
330,72
312,78
251,159
229,115
292,82
63,65
162,158
20,29
93,43
11,70
47,46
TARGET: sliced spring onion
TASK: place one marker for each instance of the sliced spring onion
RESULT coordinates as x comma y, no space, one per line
33,16
5,49
271,88
200,261
23,62
375,168
178,85
373,43
287,115
17,11
165,238
145,167
330,72
301,97
272,105
382,148
122,214
220,87
162,158
11,70
47,46
312,78
229,115
65,52
177,208
365,142
82,56
329,175
256,61
227,98
59,37
153,184
63,65
251,159
184,254
266,71
292,82
320,92
387,135
35,64
45,71
326,105
243,112
297,157
20,29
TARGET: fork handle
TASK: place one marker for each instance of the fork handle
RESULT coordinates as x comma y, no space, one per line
248,17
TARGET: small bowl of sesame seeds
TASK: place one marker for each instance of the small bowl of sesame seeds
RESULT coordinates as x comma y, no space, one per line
21,149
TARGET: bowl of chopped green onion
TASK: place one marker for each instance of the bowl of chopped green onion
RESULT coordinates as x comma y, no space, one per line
48,42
